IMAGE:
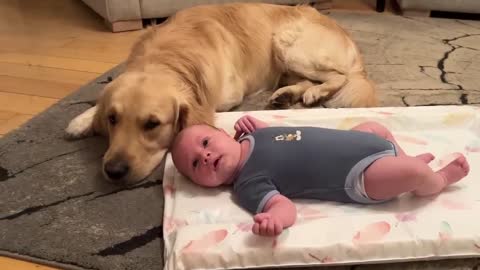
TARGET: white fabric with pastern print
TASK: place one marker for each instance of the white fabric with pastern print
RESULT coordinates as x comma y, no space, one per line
205,229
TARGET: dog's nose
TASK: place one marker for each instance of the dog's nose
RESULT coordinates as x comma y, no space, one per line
116,170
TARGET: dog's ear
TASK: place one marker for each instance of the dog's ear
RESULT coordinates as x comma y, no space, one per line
181,116
100,125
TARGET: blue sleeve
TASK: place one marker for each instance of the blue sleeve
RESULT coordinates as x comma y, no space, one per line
254,193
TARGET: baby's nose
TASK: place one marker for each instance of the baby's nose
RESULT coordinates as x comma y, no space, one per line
206,158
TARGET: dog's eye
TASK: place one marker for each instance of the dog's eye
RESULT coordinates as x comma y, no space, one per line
151,124
195,163
205,142
112,119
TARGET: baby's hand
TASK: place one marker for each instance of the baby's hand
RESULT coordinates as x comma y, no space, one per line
247,124
267,225
244,125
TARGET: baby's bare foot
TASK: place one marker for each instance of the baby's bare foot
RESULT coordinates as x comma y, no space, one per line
455,170
426,157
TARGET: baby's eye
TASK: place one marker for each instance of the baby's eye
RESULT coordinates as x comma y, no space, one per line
205,142
195,163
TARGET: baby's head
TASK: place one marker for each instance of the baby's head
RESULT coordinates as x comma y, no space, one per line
206,155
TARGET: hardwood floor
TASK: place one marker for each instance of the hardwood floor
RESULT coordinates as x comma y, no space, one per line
11,264
49,48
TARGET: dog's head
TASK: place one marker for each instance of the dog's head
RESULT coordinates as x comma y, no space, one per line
140,115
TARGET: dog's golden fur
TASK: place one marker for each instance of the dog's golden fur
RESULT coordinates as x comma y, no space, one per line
206,59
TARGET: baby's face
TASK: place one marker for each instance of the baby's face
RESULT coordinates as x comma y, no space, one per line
209,157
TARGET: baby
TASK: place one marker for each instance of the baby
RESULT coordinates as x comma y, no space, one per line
268,166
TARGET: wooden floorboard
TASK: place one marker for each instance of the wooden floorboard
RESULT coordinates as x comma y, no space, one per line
46,73
36,87
12,264
13,121
24,104
55,62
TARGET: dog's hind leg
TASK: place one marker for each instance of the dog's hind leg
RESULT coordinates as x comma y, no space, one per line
310,50
300,52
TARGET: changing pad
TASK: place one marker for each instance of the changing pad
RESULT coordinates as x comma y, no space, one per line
205,229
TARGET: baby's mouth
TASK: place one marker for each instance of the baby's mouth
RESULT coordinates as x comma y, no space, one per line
215,164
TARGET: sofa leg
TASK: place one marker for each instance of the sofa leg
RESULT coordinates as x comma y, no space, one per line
380,6
121,26
322,5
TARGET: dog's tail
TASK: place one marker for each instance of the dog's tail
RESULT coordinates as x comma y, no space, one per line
358,92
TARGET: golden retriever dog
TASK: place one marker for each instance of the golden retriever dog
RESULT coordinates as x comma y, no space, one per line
206,59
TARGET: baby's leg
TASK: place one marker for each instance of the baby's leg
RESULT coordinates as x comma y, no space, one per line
382,131
389,177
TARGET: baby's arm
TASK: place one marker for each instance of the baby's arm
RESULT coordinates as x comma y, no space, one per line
248,124
279,213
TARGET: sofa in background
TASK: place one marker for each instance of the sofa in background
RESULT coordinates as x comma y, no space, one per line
423,7
124,15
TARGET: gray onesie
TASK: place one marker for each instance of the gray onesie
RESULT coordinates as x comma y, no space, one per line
306,163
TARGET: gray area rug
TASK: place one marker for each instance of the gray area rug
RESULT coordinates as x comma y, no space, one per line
55,207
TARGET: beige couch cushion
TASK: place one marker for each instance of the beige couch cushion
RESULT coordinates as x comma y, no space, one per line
164,8
117,10
469,6
124,10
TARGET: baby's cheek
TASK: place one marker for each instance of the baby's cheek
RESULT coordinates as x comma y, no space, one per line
200,177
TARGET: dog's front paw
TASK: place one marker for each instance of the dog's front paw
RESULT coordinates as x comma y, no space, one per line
82,125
